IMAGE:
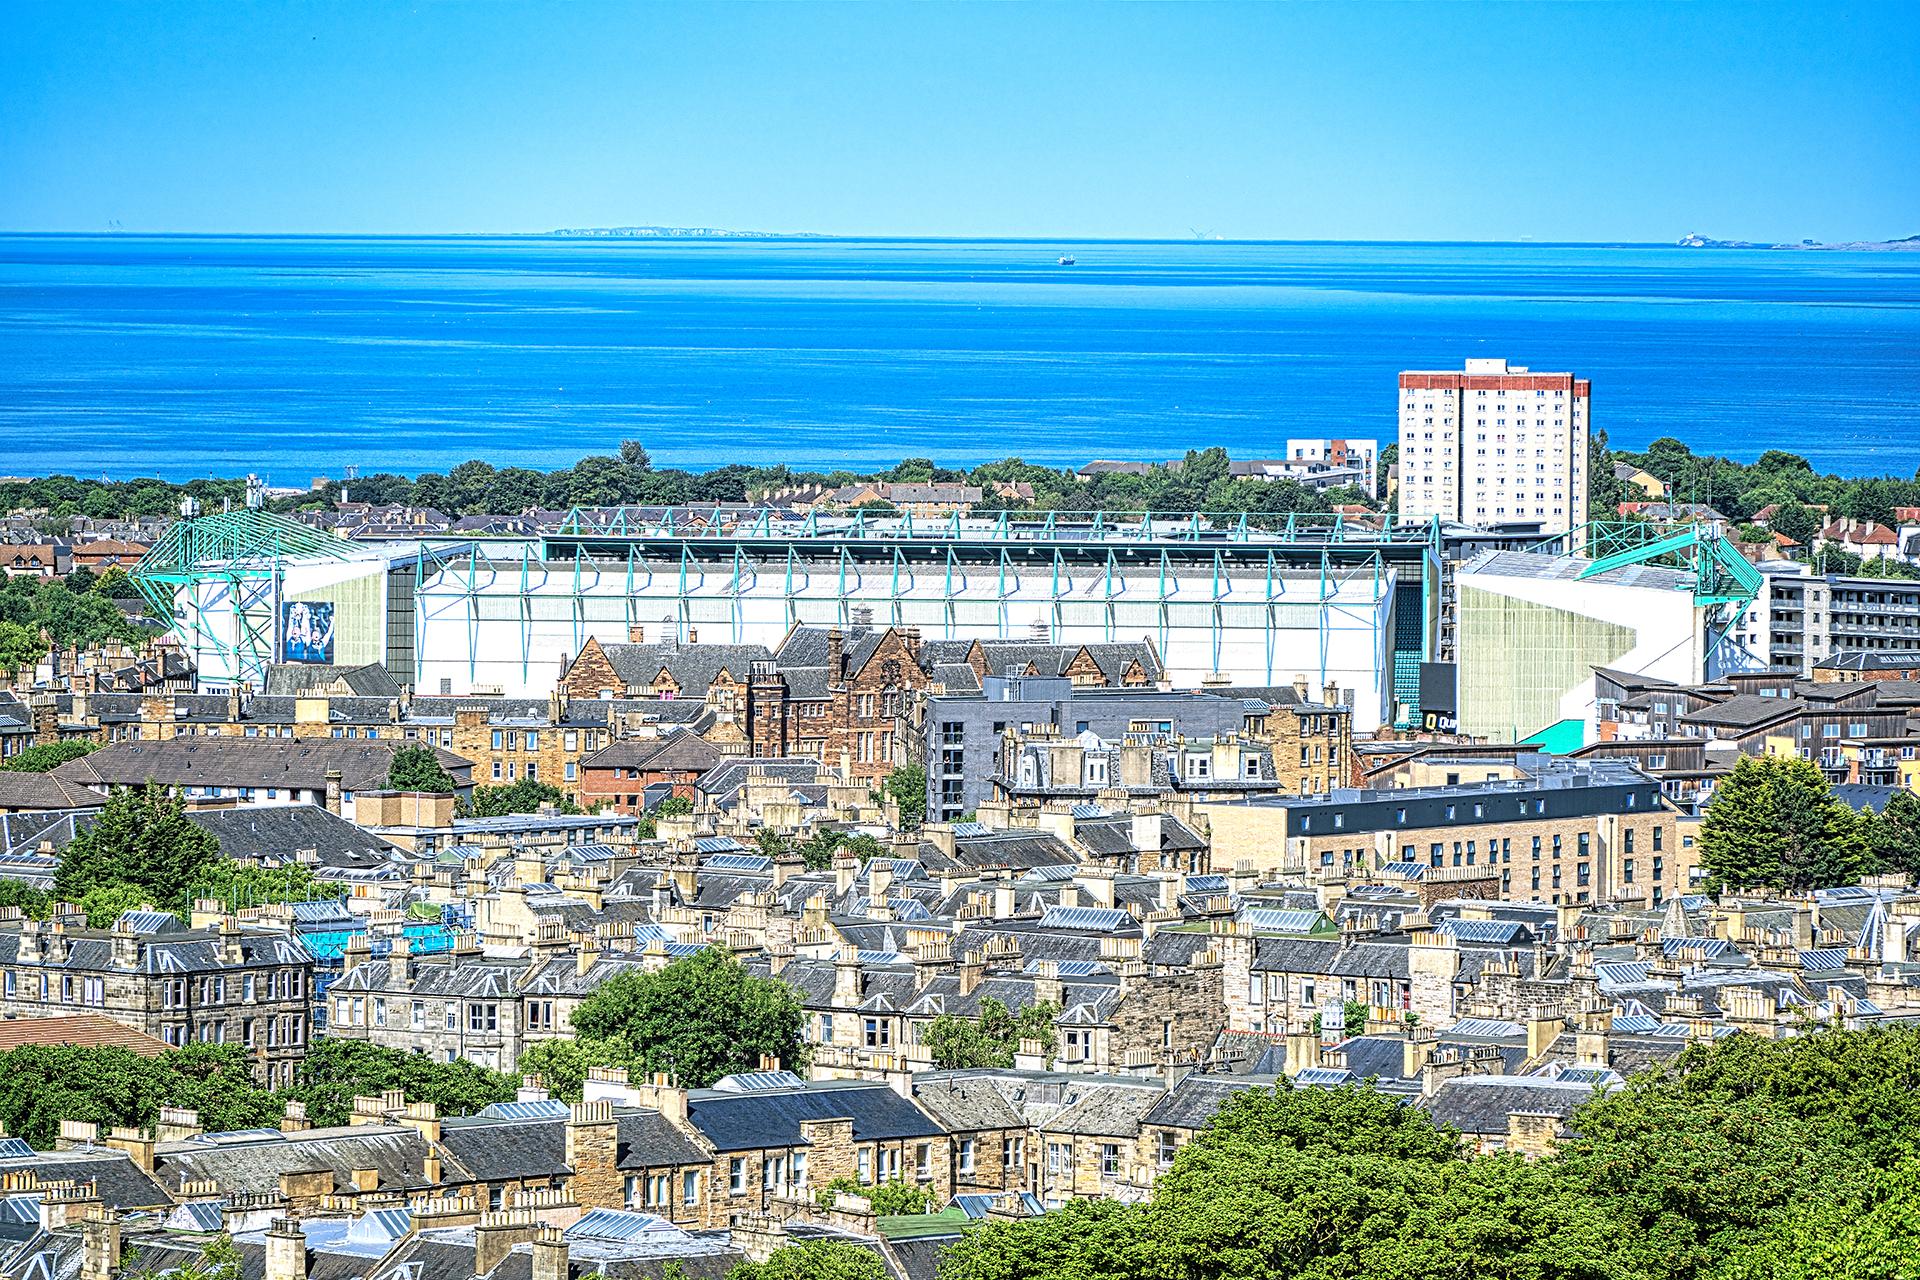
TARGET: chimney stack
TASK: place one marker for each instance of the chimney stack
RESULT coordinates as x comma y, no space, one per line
99,1246
550,1255
286,1250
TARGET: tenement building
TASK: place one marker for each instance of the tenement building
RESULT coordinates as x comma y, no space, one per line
222,985
1559,831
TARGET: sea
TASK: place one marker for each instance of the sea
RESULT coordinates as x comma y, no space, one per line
293,358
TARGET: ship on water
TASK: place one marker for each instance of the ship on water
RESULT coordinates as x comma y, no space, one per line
1066,259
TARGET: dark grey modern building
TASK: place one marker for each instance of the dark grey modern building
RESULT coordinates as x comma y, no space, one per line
964,730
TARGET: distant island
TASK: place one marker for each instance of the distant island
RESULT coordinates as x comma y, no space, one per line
682,233
1694,241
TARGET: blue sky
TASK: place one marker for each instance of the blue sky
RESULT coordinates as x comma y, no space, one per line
1321,121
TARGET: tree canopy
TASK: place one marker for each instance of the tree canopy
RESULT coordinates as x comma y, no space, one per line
524,796
907,788
142,841
1744,1158
991,1039
41,1085
1775,822
47,756
699,1018
417,768
814,1260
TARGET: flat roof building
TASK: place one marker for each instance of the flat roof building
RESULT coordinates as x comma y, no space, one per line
1493,443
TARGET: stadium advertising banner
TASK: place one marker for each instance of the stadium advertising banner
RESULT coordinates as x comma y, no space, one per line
306,631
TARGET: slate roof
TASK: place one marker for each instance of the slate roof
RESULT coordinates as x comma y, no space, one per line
249,762
43,791
1479,1104
197,951
693,667
681,751
1193,1102
398,1155
119,1182
291,679
750,1121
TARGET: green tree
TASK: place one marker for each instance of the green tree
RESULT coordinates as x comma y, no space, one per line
1081,1240
242,884
1793,520
33,903
142,840
524,796
1775,822
41,1085
1893,836
991,1039
417,768
907,786
889,1199
700,1018
1875,1238
818,849
48,756
19,646
105,903
562,1065
337,1071
814,1260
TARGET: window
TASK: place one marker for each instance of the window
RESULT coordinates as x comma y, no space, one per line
483,1017
1013,1152
923,1162
863,1166
1059,1157
1169,1147
737,1176
879,1033
1109,1160
966,1155
690,1187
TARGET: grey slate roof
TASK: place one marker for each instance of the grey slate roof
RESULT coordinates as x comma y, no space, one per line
398,1155
749,1121
249,762
1479,1104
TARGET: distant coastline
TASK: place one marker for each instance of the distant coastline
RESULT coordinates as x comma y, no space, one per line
681,233
1909,245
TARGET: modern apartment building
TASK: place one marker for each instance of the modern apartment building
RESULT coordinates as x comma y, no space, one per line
1801,619
1494,443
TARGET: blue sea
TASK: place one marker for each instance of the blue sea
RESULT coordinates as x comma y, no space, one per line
295,357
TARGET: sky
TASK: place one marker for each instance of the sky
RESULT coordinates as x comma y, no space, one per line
1366,121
